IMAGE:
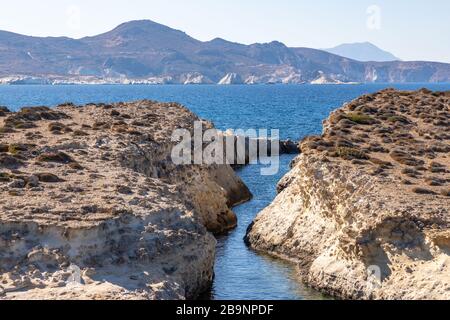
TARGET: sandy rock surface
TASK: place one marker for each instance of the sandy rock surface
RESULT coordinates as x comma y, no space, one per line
365,209
92,207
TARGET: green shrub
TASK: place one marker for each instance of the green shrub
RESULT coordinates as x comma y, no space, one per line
4,177
419,190
359,118
400,119
351,153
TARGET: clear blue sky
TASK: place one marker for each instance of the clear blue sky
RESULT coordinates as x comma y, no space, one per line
410,29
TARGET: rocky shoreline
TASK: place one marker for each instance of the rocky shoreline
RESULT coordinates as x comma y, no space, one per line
92,206
91,192
185,79
365,209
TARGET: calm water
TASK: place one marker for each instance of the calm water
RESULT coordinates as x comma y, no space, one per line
295,110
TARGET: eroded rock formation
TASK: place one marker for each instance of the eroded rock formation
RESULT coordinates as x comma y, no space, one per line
94,188
365,209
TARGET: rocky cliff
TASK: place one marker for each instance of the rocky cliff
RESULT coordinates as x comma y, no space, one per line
92,207
365,209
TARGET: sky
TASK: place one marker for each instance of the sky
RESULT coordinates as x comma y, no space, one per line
410,29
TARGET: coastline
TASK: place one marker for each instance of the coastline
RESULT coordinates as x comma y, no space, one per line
271,250
50,82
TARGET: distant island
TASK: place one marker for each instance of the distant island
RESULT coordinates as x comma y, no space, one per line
145,52
363,51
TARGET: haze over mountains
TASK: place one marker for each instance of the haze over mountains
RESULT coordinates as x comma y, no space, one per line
363,51
148,52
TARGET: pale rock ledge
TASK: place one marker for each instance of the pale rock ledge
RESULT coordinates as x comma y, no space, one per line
94,188
365,210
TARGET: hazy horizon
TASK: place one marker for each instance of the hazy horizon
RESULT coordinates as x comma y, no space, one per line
410,31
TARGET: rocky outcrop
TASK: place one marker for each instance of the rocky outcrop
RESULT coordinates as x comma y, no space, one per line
231,78
255,148
92,207
195,78
322,78
365,209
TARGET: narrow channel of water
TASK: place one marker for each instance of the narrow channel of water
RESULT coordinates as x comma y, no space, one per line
242,273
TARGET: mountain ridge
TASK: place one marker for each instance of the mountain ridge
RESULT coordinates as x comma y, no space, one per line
147,52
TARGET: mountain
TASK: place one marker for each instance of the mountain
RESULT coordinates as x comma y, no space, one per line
364,51
148,52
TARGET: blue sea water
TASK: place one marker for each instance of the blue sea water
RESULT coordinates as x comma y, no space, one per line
296,110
